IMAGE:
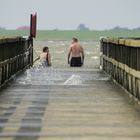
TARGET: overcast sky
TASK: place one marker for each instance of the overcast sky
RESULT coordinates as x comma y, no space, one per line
67,14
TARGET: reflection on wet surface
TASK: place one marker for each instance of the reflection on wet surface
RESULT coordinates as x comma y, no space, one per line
53,76
59,102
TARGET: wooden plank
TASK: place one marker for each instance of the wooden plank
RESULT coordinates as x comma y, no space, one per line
125,42
93,110
11,39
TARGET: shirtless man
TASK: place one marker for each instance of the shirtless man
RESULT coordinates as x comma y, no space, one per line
76,53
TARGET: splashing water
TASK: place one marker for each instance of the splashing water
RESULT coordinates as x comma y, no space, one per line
42,75
74,80
95,57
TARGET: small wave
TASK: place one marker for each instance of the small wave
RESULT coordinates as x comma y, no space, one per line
40,76
95,57
73,80
51,41
88,53
59,52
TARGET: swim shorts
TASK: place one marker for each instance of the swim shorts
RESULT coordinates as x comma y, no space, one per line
75,62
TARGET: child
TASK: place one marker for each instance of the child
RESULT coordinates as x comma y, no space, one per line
45,57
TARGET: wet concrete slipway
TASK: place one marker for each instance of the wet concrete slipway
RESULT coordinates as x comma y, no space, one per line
63,103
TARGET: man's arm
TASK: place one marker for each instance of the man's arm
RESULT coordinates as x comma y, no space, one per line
83,55
69,53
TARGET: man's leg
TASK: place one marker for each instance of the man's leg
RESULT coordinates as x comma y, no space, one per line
72,62
78,62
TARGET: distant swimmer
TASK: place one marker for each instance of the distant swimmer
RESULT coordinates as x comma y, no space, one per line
75,54
45,57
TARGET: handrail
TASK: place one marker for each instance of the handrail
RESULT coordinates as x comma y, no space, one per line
121,59
15,54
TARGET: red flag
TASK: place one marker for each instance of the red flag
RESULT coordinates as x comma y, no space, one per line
33,25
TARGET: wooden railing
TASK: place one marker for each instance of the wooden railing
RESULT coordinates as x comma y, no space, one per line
15,55
121,59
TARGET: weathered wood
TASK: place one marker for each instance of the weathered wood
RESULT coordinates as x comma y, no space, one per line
95,109
124,56
15,54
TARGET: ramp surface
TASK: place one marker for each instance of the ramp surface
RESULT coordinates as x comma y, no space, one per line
66,104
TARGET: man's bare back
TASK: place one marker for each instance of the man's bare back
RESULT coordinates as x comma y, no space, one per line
75,49
75,54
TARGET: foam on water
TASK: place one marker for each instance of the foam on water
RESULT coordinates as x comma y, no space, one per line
42,75
73,80
95,57
51,41
39,75
59,52
51,76
88,53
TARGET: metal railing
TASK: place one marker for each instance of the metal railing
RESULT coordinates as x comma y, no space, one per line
121,59
15,55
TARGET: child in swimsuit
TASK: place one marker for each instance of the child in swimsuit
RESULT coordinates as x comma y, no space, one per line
45,57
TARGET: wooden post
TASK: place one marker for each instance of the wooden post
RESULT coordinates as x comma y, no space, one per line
13,51
121,59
